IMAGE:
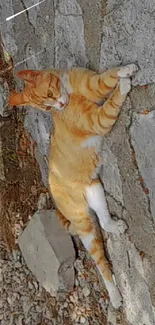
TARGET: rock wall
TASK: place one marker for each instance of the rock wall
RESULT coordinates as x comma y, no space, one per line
93,34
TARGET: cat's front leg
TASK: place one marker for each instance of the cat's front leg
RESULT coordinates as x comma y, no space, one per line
103,84
102,119
97,201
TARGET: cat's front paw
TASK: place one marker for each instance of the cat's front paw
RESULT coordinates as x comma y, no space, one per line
128,70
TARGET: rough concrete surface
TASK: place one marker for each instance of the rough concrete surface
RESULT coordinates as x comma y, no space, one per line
128,36
99,35
48,252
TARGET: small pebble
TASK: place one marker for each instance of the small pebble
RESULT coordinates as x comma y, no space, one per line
42,201
72,299
38,309
82,320
1,316
48,314
86,291
82,254
35,285
30,285
16,255
16,279
79,265
28,321
18,264
74,316
27,272
9,300
52,301
20,320
71,306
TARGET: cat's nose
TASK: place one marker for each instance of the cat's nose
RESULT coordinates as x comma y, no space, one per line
63,100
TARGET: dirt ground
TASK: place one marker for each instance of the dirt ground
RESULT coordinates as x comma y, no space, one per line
22,185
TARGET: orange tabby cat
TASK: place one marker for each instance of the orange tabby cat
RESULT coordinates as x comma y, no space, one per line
80,123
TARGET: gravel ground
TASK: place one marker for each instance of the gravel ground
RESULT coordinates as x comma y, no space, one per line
23,301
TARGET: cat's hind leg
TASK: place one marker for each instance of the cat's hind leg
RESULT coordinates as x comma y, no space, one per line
66,223
97,201
95,248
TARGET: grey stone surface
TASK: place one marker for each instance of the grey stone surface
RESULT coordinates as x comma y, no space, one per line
92,15
146,95
48,251
4,95
110,167
69,35
143,135
128,36
136,295
39,125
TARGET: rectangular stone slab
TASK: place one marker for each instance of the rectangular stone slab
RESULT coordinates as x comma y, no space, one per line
48,251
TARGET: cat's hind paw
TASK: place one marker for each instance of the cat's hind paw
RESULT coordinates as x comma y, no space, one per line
116,227
72,230
114,294
116,298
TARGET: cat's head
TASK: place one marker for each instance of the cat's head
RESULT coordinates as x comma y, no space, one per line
42,89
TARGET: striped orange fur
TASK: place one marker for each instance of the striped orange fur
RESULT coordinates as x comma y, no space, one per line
80,122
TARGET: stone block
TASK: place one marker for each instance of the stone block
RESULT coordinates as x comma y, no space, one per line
48,251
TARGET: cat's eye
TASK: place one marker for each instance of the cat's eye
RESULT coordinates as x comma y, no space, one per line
50,94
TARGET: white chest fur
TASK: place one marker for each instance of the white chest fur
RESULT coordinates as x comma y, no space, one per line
66,83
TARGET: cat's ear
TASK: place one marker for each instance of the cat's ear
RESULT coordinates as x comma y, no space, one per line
30,76
17,99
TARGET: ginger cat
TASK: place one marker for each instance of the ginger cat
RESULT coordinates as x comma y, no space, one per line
73,97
